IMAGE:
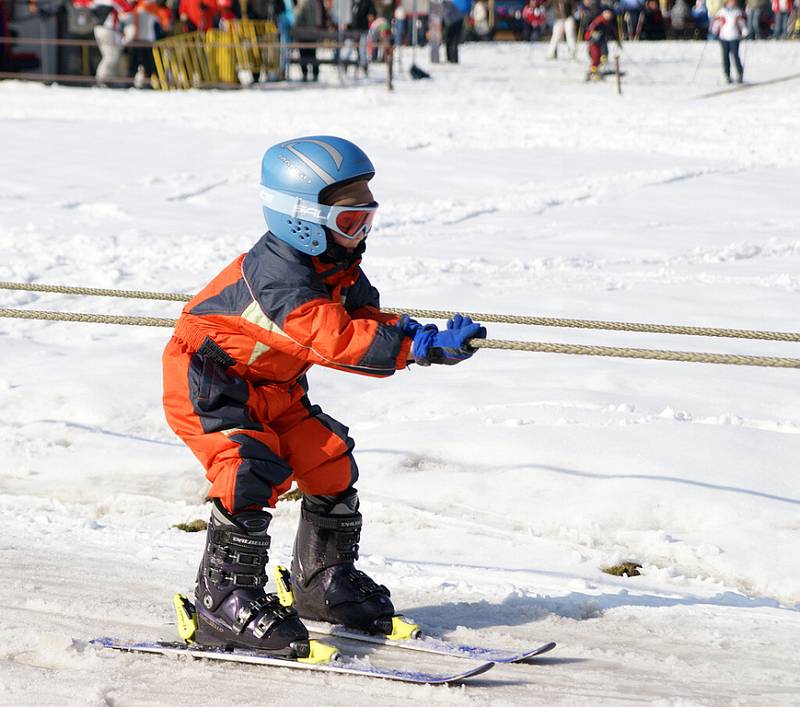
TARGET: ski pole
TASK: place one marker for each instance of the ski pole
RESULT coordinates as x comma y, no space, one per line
699,61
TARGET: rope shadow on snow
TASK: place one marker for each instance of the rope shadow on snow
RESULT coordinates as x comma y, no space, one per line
594,475
652,477
516,610
99,430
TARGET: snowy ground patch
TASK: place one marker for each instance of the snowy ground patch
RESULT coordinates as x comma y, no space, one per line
494,492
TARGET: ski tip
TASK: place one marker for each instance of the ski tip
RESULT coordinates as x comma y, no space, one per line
544,648
477,670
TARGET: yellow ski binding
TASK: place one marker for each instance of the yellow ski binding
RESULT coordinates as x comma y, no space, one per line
283,584
402,629
187,617
319,653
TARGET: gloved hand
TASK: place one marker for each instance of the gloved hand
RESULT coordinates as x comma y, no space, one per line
446,347
410,326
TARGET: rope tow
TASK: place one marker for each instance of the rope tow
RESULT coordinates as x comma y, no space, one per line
443,314
541,347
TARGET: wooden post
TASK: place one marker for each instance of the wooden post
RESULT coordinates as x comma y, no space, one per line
619,78
388,58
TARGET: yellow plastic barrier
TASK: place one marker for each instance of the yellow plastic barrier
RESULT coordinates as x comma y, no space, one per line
247,36
217,56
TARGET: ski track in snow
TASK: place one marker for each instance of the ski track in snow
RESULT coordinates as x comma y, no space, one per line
493,492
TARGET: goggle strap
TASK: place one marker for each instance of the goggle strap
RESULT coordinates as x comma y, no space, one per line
295,206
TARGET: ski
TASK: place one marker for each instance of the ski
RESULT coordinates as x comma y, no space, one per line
404,634
342,665
428,644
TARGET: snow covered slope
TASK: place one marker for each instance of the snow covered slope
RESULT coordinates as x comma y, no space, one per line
493,492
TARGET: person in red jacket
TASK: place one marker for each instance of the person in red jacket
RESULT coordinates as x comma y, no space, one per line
199,15
235,391
781,9
534,16
600,30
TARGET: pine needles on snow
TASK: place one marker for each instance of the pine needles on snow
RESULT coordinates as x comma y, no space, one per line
624,569
193,526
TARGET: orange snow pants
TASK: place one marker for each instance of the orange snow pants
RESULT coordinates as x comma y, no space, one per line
253,440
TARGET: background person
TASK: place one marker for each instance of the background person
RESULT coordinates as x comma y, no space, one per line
152,21
110,40
700,19
480,21
564,28
753,8
310,18
651,22
730,27
534,18
781,10
600,30
453,14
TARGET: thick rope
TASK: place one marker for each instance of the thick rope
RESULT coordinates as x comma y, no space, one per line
618,352
611,326
86,318
95,291
439,314
653,354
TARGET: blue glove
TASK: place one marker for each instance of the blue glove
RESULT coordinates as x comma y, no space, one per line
410,326
446,347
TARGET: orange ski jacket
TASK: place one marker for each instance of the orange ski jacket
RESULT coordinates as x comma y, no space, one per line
274,312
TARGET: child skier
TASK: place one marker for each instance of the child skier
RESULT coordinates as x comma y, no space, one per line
600,30
235,392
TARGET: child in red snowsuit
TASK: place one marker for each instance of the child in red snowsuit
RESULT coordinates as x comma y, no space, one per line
600,30
235,391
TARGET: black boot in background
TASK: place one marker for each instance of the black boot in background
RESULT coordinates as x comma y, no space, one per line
232,608
325,583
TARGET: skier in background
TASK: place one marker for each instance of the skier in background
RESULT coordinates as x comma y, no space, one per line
600,30
235,391
730,27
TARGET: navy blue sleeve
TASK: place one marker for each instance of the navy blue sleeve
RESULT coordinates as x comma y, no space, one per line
362,294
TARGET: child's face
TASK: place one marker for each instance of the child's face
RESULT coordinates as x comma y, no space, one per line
353,194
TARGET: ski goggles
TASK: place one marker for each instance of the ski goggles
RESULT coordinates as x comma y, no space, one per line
351,222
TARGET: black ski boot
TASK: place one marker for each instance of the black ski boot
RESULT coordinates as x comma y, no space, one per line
232,608
325,583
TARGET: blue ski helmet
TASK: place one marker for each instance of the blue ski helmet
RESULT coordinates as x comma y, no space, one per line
296,174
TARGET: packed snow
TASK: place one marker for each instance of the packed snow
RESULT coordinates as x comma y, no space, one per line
493,492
